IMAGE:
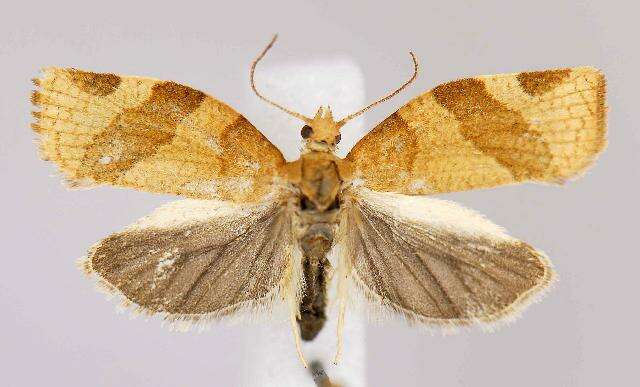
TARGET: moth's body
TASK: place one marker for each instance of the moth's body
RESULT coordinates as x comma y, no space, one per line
318,176
256,229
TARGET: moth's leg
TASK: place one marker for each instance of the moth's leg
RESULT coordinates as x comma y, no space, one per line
293,294
343,277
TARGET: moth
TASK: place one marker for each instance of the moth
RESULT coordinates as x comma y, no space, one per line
255,230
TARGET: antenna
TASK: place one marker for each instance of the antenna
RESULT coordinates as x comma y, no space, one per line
407,83
262,97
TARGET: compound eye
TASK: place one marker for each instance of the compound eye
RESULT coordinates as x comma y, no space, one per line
306,131
337,139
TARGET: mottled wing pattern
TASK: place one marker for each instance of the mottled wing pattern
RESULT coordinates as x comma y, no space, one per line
150,135
435,262
193,260
543,126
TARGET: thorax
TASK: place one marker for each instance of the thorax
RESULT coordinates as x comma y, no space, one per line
319,177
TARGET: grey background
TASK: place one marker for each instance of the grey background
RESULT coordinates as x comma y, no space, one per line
55,330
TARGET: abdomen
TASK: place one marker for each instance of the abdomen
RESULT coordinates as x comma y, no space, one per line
315,242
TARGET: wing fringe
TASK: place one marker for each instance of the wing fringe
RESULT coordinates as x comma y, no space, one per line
253,311
381,309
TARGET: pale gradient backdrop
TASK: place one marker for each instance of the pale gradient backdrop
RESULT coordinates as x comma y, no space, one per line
55,330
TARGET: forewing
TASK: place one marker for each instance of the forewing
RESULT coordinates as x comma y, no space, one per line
435,262
192,260
151,135
546,126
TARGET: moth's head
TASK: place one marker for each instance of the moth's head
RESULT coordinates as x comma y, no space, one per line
321,132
